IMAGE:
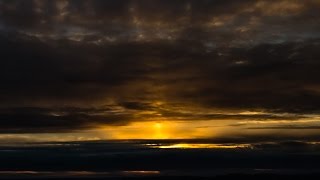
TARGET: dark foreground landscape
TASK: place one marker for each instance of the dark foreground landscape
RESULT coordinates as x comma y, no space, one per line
155,159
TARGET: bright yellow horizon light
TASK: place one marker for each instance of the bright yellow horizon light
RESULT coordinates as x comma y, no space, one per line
179,129
202,146
158,130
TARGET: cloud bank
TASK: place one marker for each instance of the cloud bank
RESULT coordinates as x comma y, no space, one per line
73,65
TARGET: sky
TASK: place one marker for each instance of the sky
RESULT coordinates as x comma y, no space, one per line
79,70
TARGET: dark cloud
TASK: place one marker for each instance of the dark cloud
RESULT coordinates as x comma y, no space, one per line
44,120
224,22
161,56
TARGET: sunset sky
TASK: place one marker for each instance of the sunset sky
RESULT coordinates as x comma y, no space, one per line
159,69
207,73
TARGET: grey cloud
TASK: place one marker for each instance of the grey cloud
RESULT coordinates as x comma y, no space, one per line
229,22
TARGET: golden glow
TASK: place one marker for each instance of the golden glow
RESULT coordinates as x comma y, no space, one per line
159,131
163,130
200,146
178,129
158,125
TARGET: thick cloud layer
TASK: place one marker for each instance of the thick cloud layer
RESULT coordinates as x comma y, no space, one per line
72,65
